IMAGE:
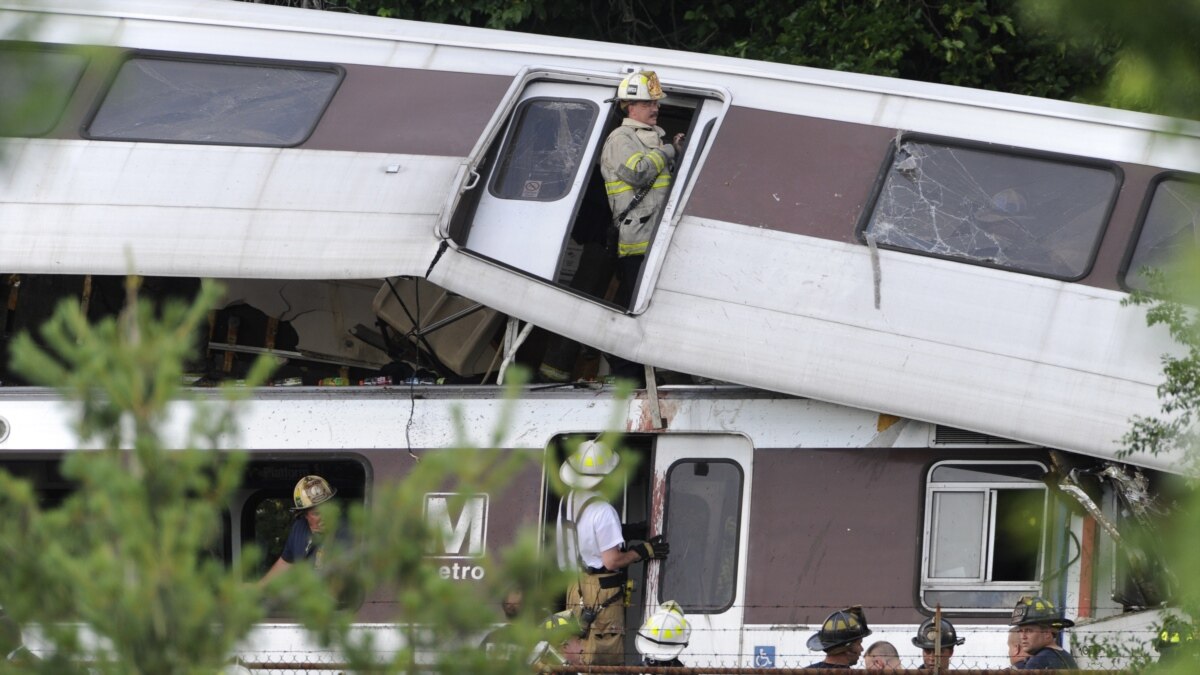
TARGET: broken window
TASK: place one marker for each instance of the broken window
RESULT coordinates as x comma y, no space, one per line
1171,224
198,101
37,82
543,152
1000,208
703,513
984,535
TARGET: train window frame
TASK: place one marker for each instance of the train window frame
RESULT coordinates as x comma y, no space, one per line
1126,271
66,93
731,589
106,92
867,217
1002,593
253,495
512,140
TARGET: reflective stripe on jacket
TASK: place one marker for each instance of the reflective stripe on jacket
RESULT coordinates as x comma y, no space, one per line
635,156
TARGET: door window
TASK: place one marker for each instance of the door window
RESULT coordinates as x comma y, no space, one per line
545,149
703,512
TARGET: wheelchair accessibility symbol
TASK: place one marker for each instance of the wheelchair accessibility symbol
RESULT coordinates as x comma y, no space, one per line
764,657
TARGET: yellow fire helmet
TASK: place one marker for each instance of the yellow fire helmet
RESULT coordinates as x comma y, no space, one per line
664,634
311,491
1036,610
640,86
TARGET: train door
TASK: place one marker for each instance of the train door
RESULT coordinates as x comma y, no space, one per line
700,500
532,195
527,199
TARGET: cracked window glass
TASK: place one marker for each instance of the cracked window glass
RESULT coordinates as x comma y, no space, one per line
1017,212
1172,224
154,99
36,83
544,150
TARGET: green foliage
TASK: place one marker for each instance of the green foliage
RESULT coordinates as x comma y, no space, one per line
1157,67
973,43
123,575
1171,302
969,43
1108,652
127,558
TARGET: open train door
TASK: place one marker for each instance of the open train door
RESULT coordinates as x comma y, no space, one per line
532,193
528,191
701,502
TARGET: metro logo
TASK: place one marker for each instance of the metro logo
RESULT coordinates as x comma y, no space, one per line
463,535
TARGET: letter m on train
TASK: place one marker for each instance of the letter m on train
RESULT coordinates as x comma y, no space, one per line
458,522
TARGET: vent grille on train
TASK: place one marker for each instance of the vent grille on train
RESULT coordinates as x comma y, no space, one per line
943,435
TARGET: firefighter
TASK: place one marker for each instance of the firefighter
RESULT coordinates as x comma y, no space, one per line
840,637
1038,624
936,653
636,165
1176,635
590,542
663,636
303,540
562,646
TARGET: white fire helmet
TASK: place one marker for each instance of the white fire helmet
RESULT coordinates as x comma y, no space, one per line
311,491
588,465
640,86
664,634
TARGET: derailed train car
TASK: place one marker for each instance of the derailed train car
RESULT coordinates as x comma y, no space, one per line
779,509
937,253
944,258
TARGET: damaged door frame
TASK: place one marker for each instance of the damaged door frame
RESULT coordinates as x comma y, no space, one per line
470,177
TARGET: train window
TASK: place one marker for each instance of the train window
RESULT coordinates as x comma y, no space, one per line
1170,224
702,517
154,98
37,82
266,516
984,535
1030,213
543,152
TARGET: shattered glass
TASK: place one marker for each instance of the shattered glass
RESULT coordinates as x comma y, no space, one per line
544,150
1013,211
156,99
1172,224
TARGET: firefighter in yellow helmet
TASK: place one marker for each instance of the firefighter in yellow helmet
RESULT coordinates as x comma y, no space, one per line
304,537
637,165
1038,625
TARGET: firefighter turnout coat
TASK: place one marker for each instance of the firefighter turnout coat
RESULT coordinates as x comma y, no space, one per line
635,157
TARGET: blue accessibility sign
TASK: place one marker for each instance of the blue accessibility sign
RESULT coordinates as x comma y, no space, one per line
764,656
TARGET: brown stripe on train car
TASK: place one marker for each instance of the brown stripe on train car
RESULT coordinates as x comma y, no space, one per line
834,528
791,173
409,111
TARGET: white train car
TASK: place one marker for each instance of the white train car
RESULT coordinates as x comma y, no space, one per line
941,254
779,510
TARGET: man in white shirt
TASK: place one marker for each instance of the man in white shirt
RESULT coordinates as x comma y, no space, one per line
590,541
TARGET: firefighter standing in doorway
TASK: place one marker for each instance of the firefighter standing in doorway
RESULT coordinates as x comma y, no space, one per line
636,165
590,542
